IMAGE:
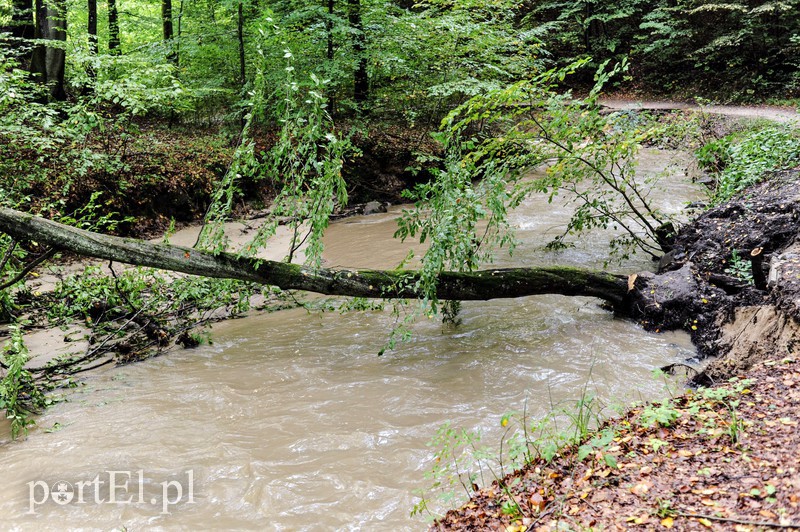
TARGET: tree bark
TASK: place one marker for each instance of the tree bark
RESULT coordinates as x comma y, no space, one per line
360,76
166,24
473,286
113,28
240,35
48,62
91,29
166,19
38,67
329,55
179,34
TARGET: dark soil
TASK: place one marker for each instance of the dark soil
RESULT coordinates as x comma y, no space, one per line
766,215
387,164
703,279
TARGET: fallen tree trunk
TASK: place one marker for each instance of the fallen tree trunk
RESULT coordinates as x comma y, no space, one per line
693,291
479,285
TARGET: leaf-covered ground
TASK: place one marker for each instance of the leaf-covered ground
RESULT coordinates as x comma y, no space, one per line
724,458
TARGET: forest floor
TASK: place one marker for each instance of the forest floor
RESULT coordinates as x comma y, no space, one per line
724,458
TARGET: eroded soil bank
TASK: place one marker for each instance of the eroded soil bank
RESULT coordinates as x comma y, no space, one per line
723,458
739,307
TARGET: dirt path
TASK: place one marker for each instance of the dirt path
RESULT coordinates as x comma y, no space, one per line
777,114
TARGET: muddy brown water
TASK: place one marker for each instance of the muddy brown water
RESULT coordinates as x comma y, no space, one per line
290,421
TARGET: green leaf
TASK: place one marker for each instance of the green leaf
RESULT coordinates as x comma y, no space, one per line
610,460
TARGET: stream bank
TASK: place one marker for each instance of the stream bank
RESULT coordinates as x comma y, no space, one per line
722,458
731,279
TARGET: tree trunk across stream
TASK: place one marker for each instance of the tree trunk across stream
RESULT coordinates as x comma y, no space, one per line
693,291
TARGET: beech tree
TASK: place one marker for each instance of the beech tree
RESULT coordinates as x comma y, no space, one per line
91,28
113,28
167,30
360,75
49,60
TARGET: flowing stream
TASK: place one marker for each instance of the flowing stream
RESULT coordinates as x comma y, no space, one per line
290,421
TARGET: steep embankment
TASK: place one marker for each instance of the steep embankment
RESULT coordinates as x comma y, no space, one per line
704,287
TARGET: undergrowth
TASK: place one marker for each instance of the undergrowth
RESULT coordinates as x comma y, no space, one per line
20,397
743,158
463,464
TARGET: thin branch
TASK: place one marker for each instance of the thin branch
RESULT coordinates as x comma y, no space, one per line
545,136
89,354
46,255
8,254
641,243
119,289
634,186
101,364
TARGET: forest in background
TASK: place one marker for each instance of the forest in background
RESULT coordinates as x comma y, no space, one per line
396,60
128,95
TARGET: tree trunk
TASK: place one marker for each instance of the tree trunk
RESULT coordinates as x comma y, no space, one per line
473,286
91,31
113,28
48,62
329,56
179,34
37,67
360,78
166,19
166,24
91,28
240,34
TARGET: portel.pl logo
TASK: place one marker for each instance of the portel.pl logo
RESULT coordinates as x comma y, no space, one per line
114,487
